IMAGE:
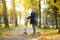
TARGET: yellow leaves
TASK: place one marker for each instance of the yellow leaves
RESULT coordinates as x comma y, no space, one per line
56,36
0,34
1,8
19,34
7,35
34,39
42,37
36,7
27,4
14,32
35,3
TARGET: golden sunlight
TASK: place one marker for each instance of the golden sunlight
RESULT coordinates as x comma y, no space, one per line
42,6
8,3
22,21
20,8
17,8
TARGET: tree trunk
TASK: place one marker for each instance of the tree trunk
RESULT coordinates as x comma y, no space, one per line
14,12
39,15
5,14
46,20
59,30
55,9
52,20
59,26
16,21
56,21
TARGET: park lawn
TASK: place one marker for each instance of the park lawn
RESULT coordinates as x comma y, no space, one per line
5,29
48,31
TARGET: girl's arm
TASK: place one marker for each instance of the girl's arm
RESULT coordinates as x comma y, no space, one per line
32,16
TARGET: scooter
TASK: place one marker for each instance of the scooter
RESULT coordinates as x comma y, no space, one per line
26,32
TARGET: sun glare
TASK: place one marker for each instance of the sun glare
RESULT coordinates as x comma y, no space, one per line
17,8
22,21
20,8
8,3
42,6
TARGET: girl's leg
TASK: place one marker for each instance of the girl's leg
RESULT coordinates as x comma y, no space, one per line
34,28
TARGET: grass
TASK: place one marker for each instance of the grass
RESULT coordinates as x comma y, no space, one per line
5,29
48,31
53,32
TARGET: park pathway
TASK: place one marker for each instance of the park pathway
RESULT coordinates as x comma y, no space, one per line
18,34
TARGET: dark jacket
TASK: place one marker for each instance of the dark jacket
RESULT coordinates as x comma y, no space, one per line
32,18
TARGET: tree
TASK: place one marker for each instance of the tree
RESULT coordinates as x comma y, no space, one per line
39,14
59,23
52,20
55,9
59,30
5,13
14,12
27,4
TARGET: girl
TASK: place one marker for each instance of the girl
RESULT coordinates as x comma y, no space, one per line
32,18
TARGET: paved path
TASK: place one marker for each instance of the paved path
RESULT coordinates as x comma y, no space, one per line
18,34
